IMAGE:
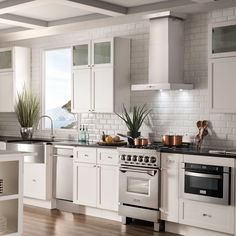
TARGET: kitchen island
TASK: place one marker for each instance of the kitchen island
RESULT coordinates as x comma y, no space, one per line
11,193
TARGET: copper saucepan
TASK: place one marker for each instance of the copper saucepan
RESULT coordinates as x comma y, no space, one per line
172,140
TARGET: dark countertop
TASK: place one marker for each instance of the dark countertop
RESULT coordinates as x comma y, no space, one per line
177,150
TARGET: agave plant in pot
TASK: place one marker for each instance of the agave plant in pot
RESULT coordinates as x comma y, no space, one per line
134,120
27,110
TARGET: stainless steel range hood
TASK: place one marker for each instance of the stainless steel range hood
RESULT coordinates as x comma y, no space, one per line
166,54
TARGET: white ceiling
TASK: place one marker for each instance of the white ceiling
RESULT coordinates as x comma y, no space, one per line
37,18
134,3
52,12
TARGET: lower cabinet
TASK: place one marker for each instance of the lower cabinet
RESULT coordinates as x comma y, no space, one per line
170,187
108,187
86,184
2,145
96,184
35,181
209,216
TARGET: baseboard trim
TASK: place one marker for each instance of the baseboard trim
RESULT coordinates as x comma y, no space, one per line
186,230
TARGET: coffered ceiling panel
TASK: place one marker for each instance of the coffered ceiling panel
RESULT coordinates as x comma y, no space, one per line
51,12
133,3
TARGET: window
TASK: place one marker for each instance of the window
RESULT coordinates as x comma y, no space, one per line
58,89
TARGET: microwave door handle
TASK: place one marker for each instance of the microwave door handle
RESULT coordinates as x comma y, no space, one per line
202,175
149,172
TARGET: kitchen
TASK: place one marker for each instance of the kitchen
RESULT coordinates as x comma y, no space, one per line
172,111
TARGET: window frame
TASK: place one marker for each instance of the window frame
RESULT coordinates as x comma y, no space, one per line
43,87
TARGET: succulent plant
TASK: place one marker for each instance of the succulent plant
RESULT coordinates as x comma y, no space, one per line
27,108
134,121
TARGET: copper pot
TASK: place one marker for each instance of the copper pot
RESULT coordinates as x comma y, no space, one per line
140,141
172,140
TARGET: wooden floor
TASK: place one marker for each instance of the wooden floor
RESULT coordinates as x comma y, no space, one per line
39,222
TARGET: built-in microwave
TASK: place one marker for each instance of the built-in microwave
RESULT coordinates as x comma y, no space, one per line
206,183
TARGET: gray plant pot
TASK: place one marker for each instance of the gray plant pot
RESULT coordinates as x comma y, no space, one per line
26,133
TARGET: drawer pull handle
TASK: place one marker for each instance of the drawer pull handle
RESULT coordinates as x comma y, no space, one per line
204,214
86,155
34,180
109,157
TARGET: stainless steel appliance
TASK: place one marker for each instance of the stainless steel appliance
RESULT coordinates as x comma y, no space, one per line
40,149
206,183
139,186
64,172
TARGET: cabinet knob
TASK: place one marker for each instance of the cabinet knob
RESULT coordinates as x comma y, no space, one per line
109,157
85,155
204,214
34,180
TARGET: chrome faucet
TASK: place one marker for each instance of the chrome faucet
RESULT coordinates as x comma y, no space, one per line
50,118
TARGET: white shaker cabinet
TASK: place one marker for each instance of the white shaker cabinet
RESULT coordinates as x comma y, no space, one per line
170,187
96,177
101,75
14,74
222,84
86,184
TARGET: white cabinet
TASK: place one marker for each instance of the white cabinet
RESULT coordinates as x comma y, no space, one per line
209,216
96,177
170,187
35,181
222,84
2,145
86,184
14,74
101,75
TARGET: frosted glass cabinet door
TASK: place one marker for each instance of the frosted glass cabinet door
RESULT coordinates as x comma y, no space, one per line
224,39
6,60
102,53
81,55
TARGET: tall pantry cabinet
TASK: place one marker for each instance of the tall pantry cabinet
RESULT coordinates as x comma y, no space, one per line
14,75
101,75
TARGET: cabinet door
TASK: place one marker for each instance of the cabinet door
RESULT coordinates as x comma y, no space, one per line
222,84
85,184
102,53
2,145
6,62
35,181
209,216
170,187
108,187
103,90
6,92
81,90
81,55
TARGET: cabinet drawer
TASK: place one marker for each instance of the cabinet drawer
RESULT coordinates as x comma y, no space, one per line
85,155
209,216
35,181
108,156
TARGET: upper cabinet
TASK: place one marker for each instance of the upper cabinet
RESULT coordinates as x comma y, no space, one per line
222,67
14,74
222,40
101,75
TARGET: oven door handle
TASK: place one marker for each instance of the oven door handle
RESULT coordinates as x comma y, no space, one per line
201,175
149,172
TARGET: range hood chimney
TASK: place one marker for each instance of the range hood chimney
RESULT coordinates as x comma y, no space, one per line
166,54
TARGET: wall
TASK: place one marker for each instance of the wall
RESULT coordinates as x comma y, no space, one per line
172,111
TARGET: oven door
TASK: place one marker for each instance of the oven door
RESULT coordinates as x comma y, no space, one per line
139,186
206,187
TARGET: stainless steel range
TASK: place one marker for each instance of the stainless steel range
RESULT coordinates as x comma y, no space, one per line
139,185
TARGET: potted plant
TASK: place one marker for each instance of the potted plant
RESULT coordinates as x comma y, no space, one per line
27,110
134,121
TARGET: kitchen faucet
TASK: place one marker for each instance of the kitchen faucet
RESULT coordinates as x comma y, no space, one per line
50,118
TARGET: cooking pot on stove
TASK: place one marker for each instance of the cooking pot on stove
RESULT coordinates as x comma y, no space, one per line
172,140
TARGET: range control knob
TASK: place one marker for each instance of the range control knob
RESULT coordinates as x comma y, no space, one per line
134,158
140,158
153,159
146,159
122,157
128,158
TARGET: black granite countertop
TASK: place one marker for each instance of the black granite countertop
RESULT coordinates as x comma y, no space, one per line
178,150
